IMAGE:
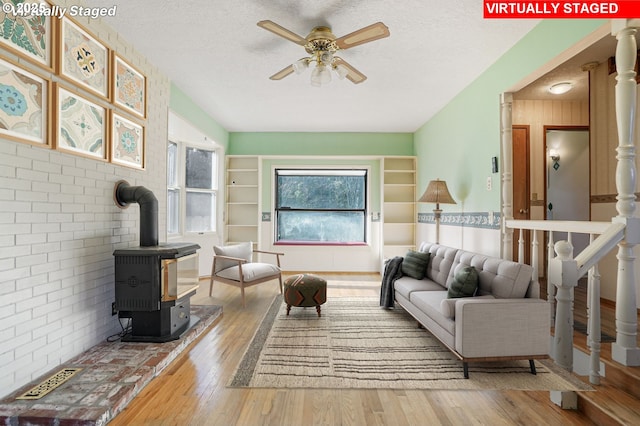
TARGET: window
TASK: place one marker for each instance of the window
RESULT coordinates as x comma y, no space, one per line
321,206
191,188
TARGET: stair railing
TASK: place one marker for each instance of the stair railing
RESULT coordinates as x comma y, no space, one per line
564,271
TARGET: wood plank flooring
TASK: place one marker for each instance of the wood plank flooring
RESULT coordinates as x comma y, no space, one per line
192,391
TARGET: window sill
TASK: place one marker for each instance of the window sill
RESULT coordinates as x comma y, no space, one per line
319,243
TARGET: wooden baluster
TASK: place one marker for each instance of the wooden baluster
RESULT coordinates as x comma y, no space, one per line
551,289
521,245
534,263
594,321
625,350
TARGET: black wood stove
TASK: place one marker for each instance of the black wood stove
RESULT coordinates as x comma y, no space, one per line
153,283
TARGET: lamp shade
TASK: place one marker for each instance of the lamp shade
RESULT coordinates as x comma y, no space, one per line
437,192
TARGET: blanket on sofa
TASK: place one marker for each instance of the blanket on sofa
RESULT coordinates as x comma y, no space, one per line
392,271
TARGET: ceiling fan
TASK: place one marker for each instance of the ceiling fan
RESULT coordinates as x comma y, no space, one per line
322,46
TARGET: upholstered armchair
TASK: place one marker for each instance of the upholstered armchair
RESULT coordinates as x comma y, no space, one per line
234,265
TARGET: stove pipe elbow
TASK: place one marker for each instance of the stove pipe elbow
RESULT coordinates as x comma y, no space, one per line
123,194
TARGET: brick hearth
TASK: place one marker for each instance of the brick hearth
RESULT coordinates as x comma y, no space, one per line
113,374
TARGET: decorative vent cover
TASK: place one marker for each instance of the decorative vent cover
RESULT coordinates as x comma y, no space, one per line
50,384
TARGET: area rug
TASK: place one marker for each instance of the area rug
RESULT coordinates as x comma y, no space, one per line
357,344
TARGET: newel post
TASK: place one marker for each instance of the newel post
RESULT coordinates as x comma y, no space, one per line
506,136
563,273
625,350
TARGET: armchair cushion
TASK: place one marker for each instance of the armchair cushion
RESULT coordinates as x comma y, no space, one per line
242,251
250,272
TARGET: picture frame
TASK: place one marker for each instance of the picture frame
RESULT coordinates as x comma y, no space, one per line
129,87
84,60
127,142
81,125
25,109
28,35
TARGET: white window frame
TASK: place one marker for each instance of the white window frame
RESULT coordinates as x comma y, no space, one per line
310,168
182,189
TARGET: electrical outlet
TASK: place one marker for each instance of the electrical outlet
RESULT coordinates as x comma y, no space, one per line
489,183
114,311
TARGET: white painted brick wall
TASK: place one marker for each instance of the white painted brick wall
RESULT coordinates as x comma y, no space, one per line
58,230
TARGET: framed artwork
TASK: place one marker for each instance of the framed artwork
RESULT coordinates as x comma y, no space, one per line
81,125
127,142
27,32
83,59
129,87
24,107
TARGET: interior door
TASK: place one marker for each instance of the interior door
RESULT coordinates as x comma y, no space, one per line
567,192
520,179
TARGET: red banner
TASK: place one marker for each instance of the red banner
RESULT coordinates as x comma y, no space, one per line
561,9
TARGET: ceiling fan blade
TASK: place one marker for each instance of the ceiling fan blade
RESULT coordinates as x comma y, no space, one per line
353,75
363,35
282,73
282,32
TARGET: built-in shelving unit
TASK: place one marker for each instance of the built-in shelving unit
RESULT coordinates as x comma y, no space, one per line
399,205
242,203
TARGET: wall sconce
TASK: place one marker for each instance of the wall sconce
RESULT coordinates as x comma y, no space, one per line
555,157
437,192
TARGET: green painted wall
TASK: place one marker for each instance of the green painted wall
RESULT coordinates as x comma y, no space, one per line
182,105
458,142
268,176
280,143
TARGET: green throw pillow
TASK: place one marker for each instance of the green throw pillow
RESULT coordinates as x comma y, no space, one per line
464,284
415,264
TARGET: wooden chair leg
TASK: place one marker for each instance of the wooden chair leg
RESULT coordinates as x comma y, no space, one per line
533,367
211,286
242,291
280,279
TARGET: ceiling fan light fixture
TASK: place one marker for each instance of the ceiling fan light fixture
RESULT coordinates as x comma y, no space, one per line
560,88
320,75
300,65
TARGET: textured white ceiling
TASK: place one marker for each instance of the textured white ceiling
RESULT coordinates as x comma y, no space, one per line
216,54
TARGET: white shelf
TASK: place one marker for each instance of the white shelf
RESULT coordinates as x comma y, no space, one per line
399,205
242,198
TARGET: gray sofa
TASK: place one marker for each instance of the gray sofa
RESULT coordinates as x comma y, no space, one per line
504,320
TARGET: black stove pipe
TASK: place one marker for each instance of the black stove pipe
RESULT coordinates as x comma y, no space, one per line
124,194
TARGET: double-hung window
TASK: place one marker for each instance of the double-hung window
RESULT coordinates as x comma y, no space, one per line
320,206
191,188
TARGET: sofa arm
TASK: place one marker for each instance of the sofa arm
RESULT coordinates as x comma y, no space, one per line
502,328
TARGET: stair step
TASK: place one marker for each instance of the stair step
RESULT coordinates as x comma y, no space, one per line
616,400
609,406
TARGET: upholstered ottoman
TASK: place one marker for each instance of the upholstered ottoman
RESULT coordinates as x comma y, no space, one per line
305,290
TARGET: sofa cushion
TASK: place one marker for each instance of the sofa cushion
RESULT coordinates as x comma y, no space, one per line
429,303
415,264
498,277
464,283
440,262
250,271
242,251
407,285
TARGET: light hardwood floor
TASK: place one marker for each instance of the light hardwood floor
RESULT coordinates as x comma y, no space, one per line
192,390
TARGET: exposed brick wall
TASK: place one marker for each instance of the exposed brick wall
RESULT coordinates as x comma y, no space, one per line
58,229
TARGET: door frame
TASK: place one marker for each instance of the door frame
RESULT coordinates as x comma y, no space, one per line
545,255
544,155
